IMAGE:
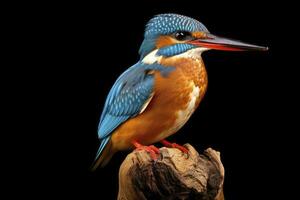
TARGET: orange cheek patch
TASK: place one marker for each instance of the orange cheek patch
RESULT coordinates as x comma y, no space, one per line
199,34
163,41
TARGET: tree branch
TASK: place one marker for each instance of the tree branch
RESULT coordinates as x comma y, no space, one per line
172,176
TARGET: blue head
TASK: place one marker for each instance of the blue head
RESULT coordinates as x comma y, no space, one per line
174,34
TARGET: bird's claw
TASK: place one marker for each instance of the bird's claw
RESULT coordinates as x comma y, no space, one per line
181,148
175,145
152,150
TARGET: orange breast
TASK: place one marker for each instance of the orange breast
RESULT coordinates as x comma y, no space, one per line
172,97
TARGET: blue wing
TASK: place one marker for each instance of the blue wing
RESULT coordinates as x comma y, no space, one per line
127,98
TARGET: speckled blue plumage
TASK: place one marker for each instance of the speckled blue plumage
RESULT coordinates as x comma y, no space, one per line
165,24
174,49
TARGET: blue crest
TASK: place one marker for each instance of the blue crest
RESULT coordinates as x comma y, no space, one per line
164,24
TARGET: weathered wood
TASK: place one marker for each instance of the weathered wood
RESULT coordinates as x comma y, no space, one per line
172,176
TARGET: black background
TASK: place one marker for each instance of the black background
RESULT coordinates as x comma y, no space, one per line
78,50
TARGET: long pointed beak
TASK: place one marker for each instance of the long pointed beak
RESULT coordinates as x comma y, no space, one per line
220,43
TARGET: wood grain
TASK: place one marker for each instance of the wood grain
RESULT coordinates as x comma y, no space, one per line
173,175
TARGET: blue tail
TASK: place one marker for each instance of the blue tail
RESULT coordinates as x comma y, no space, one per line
104,153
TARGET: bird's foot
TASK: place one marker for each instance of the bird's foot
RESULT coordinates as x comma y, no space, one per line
152,150
174,145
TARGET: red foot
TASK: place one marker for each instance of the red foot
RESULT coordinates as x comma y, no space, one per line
174,145
152,150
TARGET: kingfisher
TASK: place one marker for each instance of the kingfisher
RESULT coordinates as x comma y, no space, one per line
156,96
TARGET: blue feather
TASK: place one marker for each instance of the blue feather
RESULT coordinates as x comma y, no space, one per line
109,123
174,49
101,147
147,46
164,24
128,96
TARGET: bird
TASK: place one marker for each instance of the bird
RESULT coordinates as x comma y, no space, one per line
156,96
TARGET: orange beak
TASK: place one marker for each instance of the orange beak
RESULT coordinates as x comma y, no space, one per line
220,43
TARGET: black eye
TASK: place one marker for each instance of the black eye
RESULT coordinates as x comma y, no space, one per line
182,35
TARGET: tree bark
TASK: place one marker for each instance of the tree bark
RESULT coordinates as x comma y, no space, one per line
173,175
